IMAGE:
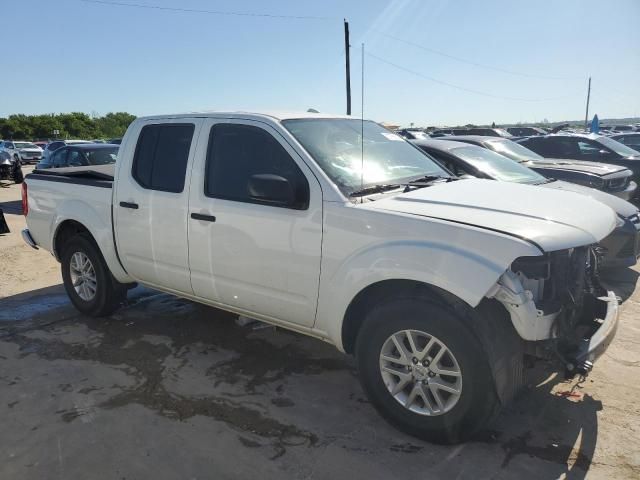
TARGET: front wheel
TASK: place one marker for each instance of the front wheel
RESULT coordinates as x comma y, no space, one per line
87,279
424,370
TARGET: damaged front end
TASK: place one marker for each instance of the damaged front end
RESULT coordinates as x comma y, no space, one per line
559,307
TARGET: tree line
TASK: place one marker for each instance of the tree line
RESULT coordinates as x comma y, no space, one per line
74,125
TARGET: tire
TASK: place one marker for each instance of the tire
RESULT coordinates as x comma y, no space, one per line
96,293
18,176
458,415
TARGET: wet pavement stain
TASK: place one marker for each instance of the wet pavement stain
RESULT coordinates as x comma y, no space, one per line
282,402
406,448
121,345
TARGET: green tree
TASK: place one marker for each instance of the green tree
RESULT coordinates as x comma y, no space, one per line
114,124
69,125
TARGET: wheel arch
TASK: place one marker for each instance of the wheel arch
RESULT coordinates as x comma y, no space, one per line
66,230
378,292
489,322
69,227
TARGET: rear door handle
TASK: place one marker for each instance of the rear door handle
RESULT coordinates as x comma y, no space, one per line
129,205
202,216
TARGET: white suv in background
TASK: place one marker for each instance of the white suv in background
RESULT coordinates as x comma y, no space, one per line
24,152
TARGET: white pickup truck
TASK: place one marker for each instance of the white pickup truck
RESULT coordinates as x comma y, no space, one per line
339,229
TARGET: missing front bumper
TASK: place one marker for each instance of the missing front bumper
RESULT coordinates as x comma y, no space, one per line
591,348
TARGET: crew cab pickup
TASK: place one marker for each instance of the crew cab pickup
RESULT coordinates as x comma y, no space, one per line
340,229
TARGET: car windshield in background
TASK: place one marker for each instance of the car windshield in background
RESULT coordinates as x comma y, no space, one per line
497,166
103,156
617,147
513,150
24,145
336,145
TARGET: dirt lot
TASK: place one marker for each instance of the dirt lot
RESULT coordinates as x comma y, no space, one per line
166,388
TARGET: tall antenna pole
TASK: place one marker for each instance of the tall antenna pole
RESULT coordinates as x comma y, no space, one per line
347,65
586,115
362,126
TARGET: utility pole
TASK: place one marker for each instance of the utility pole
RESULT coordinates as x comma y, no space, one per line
586,115
347,65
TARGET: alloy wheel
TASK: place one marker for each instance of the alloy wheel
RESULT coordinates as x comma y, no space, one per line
420,372
83,276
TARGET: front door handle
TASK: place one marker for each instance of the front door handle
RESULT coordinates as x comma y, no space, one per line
129,205
202,216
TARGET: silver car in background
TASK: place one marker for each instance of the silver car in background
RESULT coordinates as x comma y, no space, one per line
24,152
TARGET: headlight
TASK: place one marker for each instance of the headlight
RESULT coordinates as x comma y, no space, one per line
597,182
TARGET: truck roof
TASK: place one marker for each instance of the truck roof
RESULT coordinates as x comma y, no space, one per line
270,114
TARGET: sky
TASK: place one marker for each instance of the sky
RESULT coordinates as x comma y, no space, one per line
427,62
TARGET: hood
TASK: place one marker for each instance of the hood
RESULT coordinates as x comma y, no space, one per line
552,219
594,168
618,205
31,149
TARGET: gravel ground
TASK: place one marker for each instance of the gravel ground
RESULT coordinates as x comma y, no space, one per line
166,388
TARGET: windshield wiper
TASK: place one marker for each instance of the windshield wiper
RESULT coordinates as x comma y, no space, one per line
380,188
431,178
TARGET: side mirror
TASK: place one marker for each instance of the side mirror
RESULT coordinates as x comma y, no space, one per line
271,189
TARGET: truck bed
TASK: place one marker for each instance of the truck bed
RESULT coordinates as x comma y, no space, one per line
82,194
93,175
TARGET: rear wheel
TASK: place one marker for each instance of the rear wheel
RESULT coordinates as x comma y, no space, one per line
424,370
87,279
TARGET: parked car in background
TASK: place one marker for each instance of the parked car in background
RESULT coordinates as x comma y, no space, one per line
525,131
10,168
484,131
56,144
24,152
438,286
586,147
623,128
412,133
41,143
489,132
612,179
115,141
440,132
631,139
622,246
80,155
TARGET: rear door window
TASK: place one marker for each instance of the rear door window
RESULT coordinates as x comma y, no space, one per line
161,156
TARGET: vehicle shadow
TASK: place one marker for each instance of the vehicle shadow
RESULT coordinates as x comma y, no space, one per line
12,207
552,421
43,302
